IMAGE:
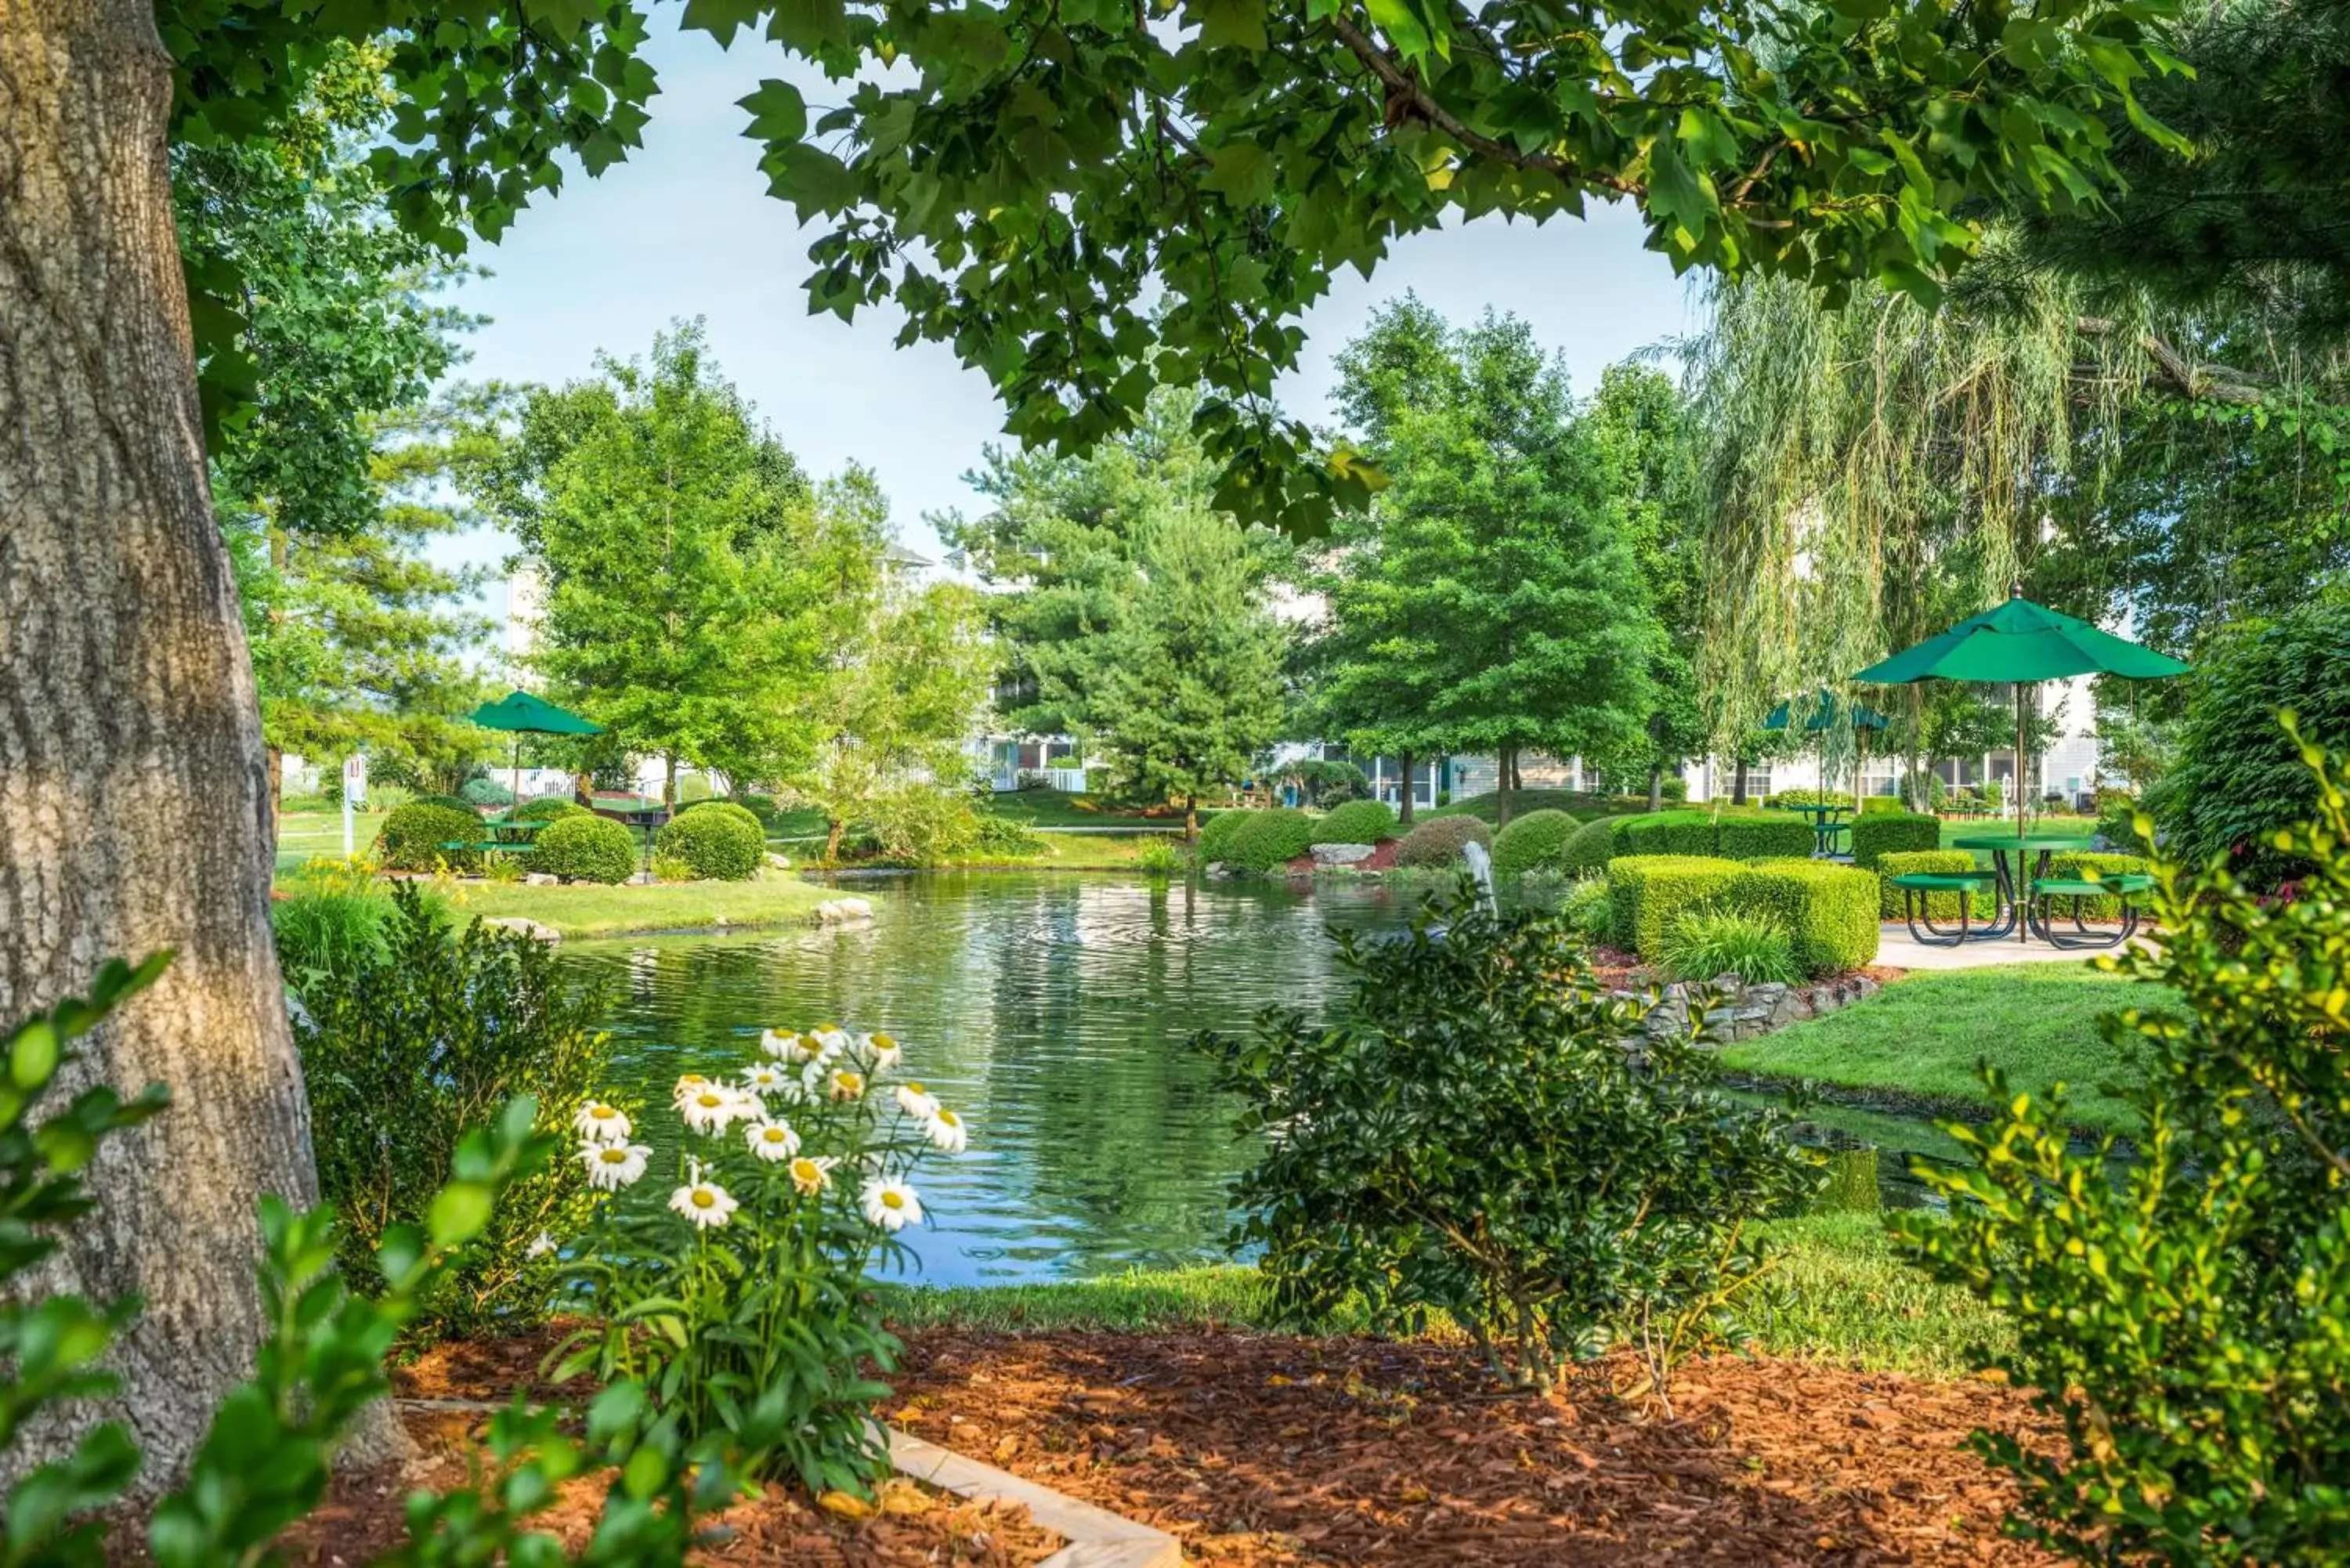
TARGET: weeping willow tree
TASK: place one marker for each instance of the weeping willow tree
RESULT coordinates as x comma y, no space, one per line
1875,472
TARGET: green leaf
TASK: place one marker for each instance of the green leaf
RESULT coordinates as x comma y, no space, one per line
459,1212
1229,24
1242,173
778,113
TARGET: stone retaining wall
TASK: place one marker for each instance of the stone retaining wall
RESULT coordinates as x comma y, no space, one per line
1741,1012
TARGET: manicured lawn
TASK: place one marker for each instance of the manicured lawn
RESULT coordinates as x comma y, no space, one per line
1922,1037
1854,1303
1057,808
1077,852
1582,807
303,834
590,909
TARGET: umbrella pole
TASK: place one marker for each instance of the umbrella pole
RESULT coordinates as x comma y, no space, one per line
517,775
2018,765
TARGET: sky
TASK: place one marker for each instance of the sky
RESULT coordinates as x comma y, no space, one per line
685,228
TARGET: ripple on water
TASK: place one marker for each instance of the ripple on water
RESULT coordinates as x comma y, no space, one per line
1050,1009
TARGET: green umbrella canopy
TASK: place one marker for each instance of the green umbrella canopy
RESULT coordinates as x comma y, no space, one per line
1827,715
2020,641
521,711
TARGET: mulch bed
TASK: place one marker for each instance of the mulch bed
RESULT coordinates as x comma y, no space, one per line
1260,1449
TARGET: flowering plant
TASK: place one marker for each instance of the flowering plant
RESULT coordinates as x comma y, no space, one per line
738,1300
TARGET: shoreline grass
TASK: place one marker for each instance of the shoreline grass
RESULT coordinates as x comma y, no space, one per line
1850,1303
1920,1038
588,910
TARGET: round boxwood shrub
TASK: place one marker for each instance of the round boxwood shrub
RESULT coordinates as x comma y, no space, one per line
485,792
1438,842
585,848
721,841
549,808
1590,847
1532,842
1269,840
734,809
411,837
1216,835
1357,822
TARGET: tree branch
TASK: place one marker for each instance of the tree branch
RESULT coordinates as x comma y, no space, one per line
2220,383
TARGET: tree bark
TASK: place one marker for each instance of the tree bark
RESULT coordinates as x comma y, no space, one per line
1656,787
1505,773
133,784
1738,784
1403,807
1191,819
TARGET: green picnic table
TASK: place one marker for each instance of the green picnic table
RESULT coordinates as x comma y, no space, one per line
2015,891
1827,821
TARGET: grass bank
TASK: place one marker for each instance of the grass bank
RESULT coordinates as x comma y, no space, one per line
583,909
1852,1304
1060,808
1922,1037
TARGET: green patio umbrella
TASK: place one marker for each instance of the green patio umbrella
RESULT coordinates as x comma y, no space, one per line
2024,643
527,715
1826,714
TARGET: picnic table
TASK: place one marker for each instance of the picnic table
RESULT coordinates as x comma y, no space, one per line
1827,821
2027,902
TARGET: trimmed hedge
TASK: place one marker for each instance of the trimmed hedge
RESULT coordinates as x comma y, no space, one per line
1829,911
722,842
412,837
1591,847
1883,805
1357,822
740,813
1942,908
1648,893
1269,840
1893,833
1734,836
1769,836
1216,834
2079,863
586,848
1532,842
549,808
1438,842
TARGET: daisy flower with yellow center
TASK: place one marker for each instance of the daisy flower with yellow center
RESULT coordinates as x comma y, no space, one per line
612,1166
772,1141
915,1101
891,1205
690,1085
811,1174
845,1085
599,1123
704,1203
712,1109
948,1133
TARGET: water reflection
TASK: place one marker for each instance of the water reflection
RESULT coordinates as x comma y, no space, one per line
1053,1010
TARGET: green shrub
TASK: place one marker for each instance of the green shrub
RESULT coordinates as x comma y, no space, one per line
1894,833
2178,1310
1357,822
454,802
720,840
485,792
1216,833
1767,837
588,849
1585,909
1648,893
1829,911
2078,863
1591,847
412,837
1469,1134
916,823
1269,840
1005,835
331,925
1531,842
404,1054
671,869
1781,800
734,810
1667,833
549,808
1706,944
762,806
1672,786
1158,857
1438,842
1883,804
1942,908
2239,777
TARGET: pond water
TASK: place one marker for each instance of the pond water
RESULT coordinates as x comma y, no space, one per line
1052,1009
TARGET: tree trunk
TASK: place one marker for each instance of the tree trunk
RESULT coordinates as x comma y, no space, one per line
668,781
276,766
1505,773
1403,807
1656,788
833,828
1738,784
1191,819
133,778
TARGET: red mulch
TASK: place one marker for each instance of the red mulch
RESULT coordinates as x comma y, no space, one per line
1258,1451
1263,1449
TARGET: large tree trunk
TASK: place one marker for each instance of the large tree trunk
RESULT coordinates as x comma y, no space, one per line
1505,780
1403,807
1656,787
1738,784
132,779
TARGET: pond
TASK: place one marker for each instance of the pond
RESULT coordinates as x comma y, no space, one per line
1052,1009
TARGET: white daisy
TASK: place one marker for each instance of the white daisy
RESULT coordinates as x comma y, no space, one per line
811,1173
879,1053
915,1102
892,1204
705,1203
690,1085
782,1047
612,1166
713,1108
599,1123
772,1141
764,1080
948,1133
844,1085
830,1039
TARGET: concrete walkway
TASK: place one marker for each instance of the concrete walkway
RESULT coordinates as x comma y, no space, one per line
1896,949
